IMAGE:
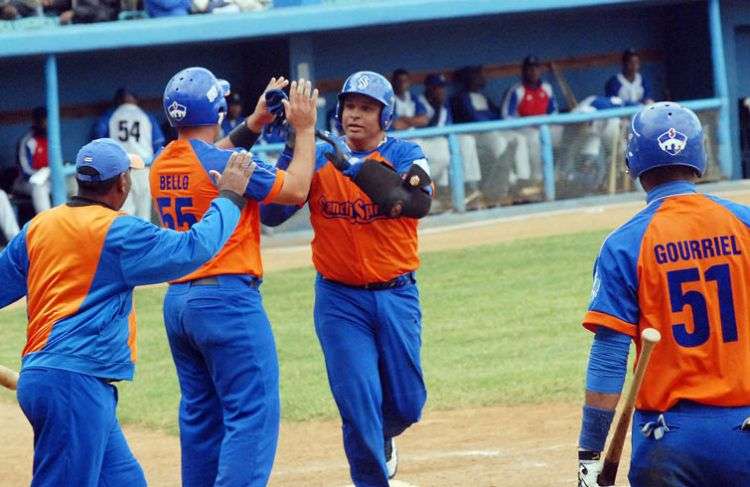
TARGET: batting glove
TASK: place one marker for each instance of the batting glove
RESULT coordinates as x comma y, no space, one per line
589,468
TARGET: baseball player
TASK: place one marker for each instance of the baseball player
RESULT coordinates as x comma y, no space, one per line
681,266
367,313
589,146
77,264
138,133
33,162
630,85
219,334
529,97
8,221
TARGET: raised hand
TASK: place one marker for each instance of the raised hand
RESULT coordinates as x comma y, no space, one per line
236,174
261,116
302,107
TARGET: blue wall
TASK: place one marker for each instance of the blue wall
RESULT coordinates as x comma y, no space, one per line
680,33
735,24
549,35
86,78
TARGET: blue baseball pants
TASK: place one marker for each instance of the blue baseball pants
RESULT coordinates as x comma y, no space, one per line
371,342
77,438
701,446
225,355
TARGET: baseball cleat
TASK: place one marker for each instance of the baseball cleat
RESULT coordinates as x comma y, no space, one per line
391,457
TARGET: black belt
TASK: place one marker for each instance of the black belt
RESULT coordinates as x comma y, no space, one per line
394,283
214,281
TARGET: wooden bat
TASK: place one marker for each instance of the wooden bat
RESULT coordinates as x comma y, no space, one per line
8,378
649,338
570,98
614,158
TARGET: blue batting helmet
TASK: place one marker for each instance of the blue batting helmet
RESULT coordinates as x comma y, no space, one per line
377,87
195,97
665,134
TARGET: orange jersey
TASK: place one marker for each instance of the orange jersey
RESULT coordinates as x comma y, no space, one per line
354,243
182,192
682,266
78,263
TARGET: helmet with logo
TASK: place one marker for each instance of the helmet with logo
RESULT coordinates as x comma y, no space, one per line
665,134
195,97
373,85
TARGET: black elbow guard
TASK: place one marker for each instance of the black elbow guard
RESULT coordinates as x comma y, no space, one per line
393,195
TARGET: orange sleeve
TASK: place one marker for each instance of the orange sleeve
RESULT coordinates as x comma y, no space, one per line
276,188
594,319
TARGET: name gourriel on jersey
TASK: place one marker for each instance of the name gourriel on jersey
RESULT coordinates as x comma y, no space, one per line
704,248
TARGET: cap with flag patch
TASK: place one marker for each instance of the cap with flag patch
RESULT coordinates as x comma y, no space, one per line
103,159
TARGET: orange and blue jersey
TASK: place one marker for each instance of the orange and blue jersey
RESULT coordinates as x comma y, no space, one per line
182,191
78,264
354,243
682,266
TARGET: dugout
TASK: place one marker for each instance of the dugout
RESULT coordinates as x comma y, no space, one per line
76,69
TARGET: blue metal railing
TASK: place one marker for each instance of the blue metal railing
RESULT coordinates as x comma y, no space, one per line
542,122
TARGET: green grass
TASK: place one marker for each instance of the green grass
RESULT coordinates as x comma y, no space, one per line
501,326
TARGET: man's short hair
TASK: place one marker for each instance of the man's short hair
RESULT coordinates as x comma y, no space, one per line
398,72
629,53
98,188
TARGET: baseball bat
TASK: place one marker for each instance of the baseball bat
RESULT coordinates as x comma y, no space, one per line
649,338
570,98
8,378
614,158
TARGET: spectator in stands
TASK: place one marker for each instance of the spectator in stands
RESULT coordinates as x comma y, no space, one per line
234,113
493,147
8,221
167,8
629,85
82,11
16,9
529,97
438,113
138,133
8,11
33,162
409,111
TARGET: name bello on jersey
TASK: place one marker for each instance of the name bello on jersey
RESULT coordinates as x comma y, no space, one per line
174,181
358,211
696,249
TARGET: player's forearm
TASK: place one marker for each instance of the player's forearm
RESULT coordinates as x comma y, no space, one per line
243,135
602,400
300,172
605,376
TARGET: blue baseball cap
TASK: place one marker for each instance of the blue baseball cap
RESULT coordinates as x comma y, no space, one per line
107,159
435,79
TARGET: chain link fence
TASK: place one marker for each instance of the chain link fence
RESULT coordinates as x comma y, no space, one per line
505,167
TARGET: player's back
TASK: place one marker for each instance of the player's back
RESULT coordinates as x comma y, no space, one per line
132,128
692,271
182,192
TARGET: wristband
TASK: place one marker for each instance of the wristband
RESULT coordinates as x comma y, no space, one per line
242,136
233,197
594,428
588,455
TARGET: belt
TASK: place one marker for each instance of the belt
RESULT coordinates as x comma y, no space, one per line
394,283
205,281
214,281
